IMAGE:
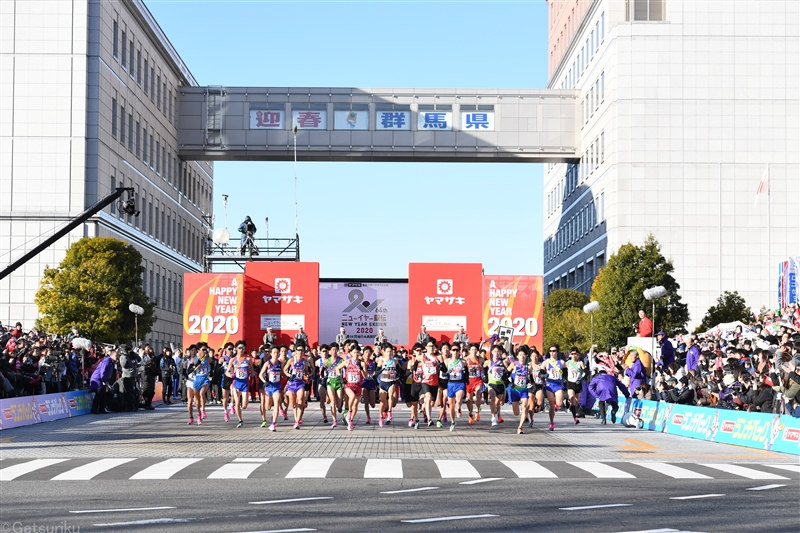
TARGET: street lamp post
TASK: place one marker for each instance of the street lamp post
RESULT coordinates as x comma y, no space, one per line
136,310
653,294
590,308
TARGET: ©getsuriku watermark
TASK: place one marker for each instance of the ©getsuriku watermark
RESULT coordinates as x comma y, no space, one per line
33,527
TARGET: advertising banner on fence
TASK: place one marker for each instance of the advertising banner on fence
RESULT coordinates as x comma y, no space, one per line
765,431
445,297
283,296
362,308
516,302
787,281
213,309
27,410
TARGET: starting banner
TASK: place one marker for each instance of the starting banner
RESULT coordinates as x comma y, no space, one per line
213,308
362,309
516,302
27,410
765,431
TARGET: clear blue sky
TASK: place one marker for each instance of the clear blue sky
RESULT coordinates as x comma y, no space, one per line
372,219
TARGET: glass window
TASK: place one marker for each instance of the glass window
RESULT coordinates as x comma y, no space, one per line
124,50
602,86
602,25
113,117
144,148
122,125
130,131
158,88
115,44
146,77
139,67
131,59
158,162
138,139
113,188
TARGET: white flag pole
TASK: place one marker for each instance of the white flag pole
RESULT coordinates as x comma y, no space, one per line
769,239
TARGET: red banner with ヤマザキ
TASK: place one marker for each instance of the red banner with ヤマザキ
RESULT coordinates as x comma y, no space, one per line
213,308
516,302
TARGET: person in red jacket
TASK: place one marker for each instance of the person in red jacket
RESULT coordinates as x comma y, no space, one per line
645,326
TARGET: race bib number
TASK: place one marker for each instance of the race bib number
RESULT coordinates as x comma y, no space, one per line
574,375
456,373
496,373
353,377
390,374
297,375
428,371
201,371
474,372
241,373
520,381
274,377
554,374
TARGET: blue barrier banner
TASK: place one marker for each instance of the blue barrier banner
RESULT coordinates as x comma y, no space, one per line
779,433
17,412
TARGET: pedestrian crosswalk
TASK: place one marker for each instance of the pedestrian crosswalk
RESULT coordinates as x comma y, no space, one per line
143,469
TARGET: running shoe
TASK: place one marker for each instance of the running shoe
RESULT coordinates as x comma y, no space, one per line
225,416
300,422
199,420
552,427
613,417
389,418
273,427
499,419
494,421
577,421
284,415
530,424
416,424
203,414
471,420
335,424
325,420
411,422
459,413
296,425
240,424
438,423
380,422
350,426
191,421
444,418
430,423
369,420
340,410
453,426
264,424
425,418
478,415
519,430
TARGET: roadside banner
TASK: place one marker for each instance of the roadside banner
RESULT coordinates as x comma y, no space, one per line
213,308
27,410
516,302
363,308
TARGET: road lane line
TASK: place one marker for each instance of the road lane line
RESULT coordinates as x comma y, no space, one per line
310,468
529,469
482,480
234,471
122,510
408,490
446,518
748,473
292,500
456,468
790,468
295,530
146,522
585,507
384,469
251,460
88,471
766,487
601,470
164,469
697,497
675,472
13,472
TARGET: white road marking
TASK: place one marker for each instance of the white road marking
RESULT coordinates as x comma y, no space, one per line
164,469
582,508
251,460
297,530
482,480
122,510
146,522
601,470
665,530
384,469
234,471
408,490
767,487
456,468
292,500
672,471
13,472
529,469
748,473
310,467
697,497
88,471
445,518
790,468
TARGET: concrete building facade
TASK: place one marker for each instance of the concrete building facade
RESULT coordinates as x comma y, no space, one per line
89,103
685,105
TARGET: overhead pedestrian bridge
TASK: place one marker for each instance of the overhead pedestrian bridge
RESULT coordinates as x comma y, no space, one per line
341,124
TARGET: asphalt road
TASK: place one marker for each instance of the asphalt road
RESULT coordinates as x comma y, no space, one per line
360,505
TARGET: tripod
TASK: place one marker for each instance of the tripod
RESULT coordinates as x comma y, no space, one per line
249,244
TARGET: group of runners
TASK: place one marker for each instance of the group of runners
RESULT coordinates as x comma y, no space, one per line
429,377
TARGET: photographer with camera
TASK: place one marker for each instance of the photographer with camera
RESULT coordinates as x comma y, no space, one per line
129,362
168,369
248,230
149,373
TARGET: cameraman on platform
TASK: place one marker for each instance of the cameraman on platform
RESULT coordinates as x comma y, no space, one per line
247,229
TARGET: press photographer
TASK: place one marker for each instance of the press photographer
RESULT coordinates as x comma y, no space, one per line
248,230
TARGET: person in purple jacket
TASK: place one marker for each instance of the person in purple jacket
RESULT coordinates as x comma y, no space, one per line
104,375
636,371
604,386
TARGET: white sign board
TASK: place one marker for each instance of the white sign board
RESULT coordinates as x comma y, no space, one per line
477,121
393,120
310,120
362,309
283,322
351,120
434,120
444,323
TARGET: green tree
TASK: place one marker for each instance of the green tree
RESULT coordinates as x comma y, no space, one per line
730,307
92,289
619,287
564,319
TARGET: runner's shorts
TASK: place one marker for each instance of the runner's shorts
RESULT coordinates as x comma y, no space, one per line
575,387
240,385
432,389
475,386
369,384
553,386
519,394
295,386
498,388
272,388
454,388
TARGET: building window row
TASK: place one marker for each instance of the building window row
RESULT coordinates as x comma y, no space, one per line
163,287
585,219
587,52
592,158
577,174
595,96
578,278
